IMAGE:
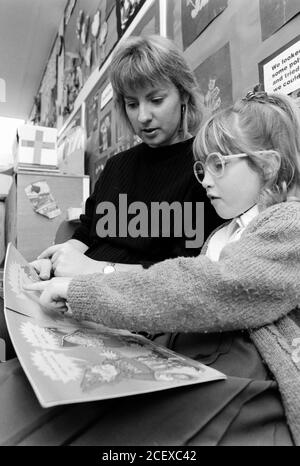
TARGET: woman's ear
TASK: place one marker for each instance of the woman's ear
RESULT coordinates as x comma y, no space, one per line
183,123
184,98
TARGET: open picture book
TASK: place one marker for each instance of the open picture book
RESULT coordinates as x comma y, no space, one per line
67,361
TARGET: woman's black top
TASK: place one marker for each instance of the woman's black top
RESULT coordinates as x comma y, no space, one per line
149,176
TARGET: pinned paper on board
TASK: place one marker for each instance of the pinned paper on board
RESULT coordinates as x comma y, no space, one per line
214,76
42,200
105,133
197,16
276,13
280,72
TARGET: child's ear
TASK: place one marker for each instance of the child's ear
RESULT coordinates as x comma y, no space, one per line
272,165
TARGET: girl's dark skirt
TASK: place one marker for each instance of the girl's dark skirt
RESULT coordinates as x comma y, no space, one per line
245,409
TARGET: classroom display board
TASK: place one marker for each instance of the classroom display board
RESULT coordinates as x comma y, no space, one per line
232,45
281,71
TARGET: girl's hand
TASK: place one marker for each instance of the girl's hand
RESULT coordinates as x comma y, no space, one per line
53,293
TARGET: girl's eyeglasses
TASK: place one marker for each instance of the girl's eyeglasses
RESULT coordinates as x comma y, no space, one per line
215,164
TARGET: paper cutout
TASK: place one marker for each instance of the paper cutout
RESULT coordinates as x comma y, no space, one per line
105,133
275,13
215,79
197,15
42,200
126,11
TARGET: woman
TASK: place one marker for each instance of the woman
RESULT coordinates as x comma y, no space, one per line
236,307
156,96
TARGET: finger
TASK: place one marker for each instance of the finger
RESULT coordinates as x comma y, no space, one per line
49,251
42,267
53,307
60,305
55,256
49,302
55,259
36,265
36,286
45,269
54,266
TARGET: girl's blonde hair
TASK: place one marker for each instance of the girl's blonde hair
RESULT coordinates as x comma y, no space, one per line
267,128
140,61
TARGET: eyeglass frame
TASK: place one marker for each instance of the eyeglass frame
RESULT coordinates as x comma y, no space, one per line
222,158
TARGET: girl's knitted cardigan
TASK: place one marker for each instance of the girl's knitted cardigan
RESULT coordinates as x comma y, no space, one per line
255,285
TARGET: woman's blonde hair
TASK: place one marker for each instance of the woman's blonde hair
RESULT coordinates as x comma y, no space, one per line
140,61
267,128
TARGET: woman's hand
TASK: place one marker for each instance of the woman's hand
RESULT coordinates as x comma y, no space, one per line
43,268
68,261
53,293
43,264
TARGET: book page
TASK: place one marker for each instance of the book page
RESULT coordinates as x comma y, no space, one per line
67,361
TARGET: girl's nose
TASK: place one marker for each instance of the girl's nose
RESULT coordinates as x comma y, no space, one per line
208,180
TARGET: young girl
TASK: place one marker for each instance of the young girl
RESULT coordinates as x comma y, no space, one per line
234,307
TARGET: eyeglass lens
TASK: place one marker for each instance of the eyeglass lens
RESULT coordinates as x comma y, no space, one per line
214,163
199,171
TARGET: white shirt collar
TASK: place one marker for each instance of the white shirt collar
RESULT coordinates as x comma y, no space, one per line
229,233
244,219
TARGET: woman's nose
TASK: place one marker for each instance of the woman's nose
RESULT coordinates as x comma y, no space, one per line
144,114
